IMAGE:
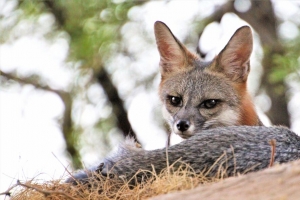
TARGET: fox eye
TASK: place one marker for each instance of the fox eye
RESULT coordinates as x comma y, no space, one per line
208,104
175,101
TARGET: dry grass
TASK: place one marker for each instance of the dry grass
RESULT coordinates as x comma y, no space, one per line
109,188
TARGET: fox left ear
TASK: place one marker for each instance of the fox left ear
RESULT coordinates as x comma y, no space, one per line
234,59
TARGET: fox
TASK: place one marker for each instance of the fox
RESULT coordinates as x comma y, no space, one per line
197,95
204,103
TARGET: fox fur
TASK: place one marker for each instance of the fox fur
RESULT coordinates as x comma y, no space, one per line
242,149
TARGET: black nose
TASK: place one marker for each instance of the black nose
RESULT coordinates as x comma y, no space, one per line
183,125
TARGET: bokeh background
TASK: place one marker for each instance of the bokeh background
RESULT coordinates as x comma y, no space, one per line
76,77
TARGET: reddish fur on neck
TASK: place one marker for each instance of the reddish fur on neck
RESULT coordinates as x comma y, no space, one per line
248,115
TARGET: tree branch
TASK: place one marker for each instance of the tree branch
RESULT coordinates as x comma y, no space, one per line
102,77
113,96
278,182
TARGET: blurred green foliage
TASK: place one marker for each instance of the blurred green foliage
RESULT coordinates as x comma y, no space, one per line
92,25
288,63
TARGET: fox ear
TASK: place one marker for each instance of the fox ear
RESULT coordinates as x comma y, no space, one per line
234,59
173,55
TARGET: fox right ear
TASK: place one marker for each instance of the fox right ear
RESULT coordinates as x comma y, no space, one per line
173,55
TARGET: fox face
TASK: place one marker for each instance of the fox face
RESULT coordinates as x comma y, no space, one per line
192,101
198,95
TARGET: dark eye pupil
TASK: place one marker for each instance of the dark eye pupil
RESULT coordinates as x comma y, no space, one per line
176,101
210,103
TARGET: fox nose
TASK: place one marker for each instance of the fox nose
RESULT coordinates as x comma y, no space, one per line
183,125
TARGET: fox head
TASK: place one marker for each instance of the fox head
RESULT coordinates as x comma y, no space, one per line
198,95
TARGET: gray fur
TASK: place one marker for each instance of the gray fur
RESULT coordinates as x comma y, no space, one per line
246,149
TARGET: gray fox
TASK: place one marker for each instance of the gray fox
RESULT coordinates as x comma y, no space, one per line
207,104
198,95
